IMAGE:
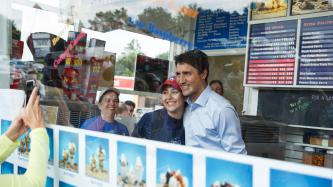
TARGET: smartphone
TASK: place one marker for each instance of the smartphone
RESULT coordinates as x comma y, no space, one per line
29,86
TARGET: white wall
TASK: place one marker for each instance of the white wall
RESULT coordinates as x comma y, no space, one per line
4,41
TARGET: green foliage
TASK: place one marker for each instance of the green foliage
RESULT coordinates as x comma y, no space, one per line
109,20
159,16
16,34
164,56
180,24
126,63
184,23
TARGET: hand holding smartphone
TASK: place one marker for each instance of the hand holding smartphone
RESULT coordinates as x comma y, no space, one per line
30,84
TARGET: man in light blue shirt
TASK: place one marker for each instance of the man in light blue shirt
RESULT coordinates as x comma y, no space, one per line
210,121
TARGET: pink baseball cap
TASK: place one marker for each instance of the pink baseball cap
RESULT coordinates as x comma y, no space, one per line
171,81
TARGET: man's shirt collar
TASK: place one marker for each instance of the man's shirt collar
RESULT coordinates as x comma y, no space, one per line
201,100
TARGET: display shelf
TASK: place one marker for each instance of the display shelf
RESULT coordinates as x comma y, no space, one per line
315,146
281,124
302,126
310,127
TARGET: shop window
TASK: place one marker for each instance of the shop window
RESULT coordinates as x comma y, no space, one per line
230,71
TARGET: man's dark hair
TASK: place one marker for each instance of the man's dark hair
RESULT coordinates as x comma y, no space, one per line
216,81
195,58
130,103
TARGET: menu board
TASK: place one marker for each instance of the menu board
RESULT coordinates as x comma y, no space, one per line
316,52
298,107
42,45
220,30
271,56
94,42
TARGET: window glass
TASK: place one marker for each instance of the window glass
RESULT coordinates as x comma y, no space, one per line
75,49
230,71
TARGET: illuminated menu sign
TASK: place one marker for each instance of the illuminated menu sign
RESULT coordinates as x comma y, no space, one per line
271,57
42,45
316,52
220,30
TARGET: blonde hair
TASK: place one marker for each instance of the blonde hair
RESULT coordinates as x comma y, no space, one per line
121,108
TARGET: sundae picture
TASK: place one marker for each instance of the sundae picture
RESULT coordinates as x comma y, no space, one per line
68,151
222,173
290,179
24,144
51,144
174,169
310,6
49,182
263,9
4,125
131,165
97,158
63,184
21,170
7,168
